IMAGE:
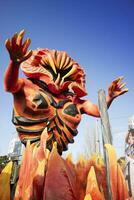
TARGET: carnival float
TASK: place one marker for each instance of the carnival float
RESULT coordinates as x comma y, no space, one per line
48,106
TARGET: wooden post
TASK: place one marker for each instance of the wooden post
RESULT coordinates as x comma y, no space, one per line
106,135
97,139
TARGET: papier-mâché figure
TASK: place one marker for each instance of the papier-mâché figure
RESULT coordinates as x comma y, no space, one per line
50,96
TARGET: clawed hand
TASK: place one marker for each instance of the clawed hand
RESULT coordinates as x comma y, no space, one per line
117,88
18,50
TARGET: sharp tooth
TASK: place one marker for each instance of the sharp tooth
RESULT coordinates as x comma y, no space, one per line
47,60
58,60
54,56
62,81
73,70
69,65
63,59
66,62
58,79
52,63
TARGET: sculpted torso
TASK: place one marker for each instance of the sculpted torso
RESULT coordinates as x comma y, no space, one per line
35,109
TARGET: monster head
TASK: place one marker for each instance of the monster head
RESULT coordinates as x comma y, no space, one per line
59,71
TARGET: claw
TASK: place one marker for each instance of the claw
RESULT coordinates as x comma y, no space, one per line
28,55
122,85
26,45
125,90
120,78
8,44
22,32
13,40
20,37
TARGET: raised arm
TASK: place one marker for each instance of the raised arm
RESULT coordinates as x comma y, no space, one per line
115,89
18,53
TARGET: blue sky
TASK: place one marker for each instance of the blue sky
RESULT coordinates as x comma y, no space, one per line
98,34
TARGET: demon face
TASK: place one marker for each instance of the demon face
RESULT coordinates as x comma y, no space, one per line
59,71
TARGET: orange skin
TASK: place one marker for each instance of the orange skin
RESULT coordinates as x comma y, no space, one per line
24,91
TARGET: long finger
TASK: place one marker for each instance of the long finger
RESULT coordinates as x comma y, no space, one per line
20,37
13,41
26,45
8,44
124,91
28,55
119,79
122,85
